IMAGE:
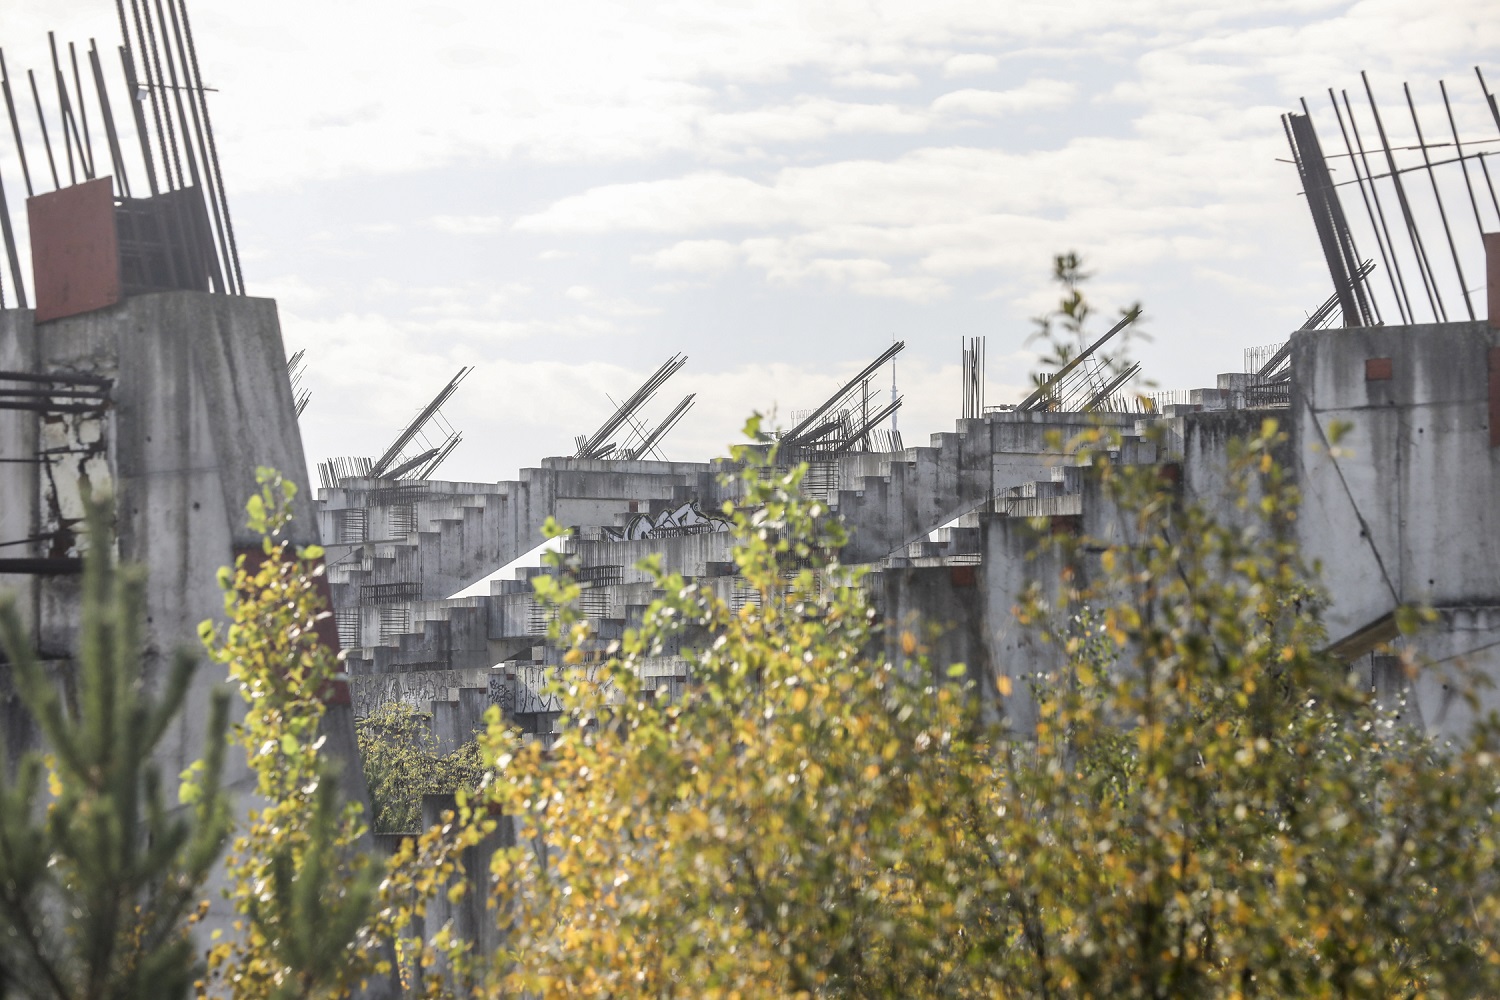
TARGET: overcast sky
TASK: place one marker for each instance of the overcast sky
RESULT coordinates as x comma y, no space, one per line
564,194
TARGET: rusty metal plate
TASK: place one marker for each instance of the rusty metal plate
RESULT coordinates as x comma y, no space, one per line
1494,397
1378,370
75,254
1492,276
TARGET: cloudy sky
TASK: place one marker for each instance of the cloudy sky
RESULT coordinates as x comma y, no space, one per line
564,194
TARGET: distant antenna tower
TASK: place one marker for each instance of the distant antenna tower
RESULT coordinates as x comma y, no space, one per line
895,434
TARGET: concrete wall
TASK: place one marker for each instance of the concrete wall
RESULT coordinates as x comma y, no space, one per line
465,531
200,399
922,488
1404,512
19,489
1407,508
942,609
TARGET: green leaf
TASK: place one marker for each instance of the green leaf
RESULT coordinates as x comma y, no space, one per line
1410,618
256,508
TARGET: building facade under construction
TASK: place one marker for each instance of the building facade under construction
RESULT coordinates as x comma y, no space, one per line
431,579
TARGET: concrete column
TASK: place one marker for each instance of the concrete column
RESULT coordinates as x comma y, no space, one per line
472,703
445,731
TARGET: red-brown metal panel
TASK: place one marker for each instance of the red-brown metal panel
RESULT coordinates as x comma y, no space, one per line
1494,397
1492,274
1378,369
75,254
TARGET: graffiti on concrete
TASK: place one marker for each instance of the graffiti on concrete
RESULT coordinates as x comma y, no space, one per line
684,520
527,688
418,687
75,464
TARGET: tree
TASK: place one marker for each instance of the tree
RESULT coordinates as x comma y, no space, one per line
768,832
304,892
101,880
319,916
401,764
1208,805
1215,807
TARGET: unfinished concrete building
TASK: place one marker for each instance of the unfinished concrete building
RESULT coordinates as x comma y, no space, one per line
1404,517
430,617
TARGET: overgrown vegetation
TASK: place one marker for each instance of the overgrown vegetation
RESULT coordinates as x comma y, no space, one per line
101,877
401,764
319,916
301,890
1206,805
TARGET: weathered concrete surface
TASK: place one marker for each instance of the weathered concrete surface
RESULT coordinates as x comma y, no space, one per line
417,688
1405,507
922,488
439,537
18,475
942,609
1015,554
1402,511
200,399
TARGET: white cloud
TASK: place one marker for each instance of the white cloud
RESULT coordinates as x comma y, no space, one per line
470,225
785,262
806,120
970,63
699,256
808,147
465,302
865,79
1185,191
1035,95
468,83
590,299
935,198
692,202
290,291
